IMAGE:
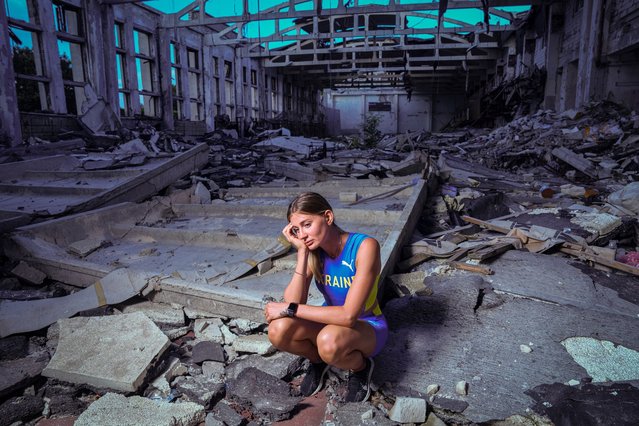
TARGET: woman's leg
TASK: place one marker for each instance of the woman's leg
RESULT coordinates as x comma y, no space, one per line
296,336
346,348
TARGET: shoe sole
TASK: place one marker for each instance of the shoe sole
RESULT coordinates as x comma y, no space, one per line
320,385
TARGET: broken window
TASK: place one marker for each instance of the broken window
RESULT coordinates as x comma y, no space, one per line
32,85
228,69
216,65
67,19
254,77
244,75
118,30
216,88
145,69
72,65
176,82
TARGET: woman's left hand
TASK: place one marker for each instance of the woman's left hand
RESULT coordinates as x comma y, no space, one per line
275,310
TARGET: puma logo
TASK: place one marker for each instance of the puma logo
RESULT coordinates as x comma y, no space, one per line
350,265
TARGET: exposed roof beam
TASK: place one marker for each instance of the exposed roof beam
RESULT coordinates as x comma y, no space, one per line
378,47
173,20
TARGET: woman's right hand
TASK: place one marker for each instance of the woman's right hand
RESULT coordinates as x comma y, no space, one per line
291,237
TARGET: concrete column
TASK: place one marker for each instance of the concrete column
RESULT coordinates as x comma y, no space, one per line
164,55
553,39
10,130
131,72
51,57
98,44
184,78
208,92
239,90
587,71
108,54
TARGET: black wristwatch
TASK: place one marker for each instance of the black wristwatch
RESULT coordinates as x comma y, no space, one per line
291,311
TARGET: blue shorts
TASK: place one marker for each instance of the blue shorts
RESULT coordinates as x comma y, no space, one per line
380,326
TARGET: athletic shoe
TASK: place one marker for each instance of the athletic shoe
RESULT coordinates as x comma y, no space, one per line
359,383
314,378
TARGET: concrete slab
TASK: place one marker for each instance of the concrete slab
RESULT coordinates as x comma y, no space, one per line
281,365
88,347
114,410
204,257
451,336
50,186
254,343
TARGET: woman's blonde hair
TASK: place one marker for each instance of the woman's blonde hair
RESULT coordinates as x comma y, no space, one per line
311,203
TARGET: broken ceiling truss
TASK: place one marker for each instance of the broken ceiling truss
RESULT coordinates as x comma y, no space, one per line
372,45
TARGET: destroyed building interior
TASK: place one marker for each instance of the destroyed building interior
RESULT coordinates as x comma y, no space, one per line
149,151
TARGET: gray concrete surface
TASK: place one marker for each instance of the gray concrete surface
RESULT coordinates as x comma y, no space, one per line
450,336
116,410
113,352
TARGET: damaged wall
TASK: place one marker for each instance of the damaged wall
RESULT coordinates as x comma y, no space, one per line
122,53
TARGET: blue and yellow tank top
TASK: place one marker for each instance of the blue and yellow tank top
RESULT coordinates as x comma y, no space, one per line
338,274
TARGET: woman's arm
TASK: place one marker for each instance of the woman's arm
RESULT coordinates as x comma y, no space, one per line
297,289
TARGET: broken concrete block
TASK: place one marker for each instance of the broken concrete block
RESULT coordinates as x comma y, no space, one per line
225,414
432,389
209,329
214,370
229,336
200,389
627,197
87,346
201,194
348,197
433,420
85,247
266,394
19,373
254,343
20,409
137,410
162,315
28,273
525,349
353,413
450,404
244,326
264,267
14,347
408,410
461,387
281,365
207,351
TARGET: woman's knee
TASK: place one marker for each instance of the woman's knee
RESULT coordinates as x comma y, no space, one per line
328,344
279,332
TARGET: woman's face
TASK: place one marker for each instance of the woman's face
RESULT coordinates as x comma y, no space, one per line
312,229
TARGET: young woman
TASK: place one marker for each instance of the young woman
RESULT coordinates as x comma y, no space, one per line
349,329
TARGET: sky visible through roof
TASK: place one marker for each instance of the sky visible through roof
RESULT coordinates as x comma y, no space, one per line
220,8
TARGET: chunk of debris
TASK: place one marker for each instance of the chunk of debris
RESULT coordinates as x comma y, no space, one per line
20,409
164,316
408,410
207,351
86,347
224,414
28,273
19,373
209,329
461,388
85,247
282,365
136,410
254,343
266,394
200,389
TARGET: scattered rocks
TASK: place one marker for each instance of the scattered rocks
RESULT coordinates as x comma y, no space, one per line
408,410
